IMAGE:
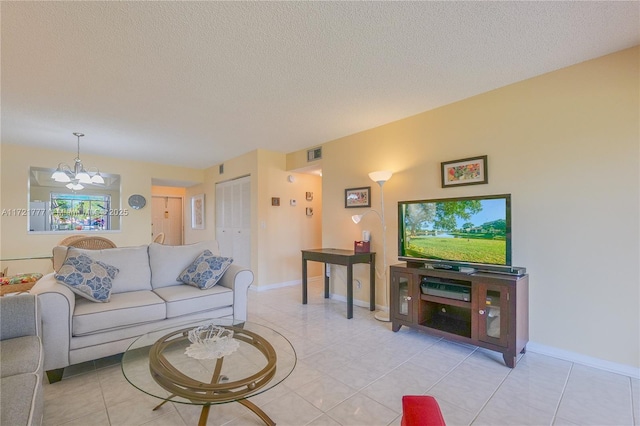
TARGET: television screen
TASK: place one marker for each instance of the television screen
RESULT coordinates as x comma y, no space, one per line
473,230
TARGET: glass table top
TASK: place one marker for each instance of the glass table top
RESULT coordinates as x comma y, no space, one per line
156,364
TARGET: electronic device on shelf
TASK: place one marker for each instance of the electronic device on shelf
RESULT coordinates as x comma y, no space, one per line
442,288
464,234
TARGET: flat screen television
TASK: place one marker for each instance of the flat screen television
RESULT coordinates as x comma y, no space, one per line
453,232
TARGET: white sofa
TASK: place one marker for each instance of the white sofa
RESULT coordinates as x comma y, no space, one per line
145,296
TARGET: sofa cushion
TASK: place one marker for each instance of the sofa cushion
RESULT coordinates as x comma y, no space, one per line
20,355
87,277
183,299
124,309
22,402
167,262
133,263
206,270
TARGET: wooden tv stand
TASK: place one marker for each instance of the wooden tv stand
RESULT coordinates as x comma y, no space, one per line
495,314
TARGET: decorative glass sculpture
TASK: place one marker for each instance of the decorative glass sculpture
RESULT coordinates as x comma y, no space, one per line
211,342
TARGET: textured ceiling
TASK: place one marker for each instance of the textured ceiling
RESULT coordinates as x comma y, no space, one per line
198,83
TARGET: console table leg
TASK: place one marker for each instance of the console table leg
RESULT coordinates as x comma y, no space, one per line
349,291
253,407
326,281
304,281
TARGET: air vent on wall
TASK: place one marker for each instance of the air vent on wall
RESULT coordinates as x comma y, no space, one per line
314,154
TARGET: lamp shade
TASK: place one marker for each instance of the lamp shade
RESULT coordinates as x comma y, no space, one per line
60,176
97,178
74,186
380,176
83,176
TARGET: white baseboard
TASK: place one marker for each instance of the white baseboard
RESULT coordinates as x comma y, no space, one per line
601,364
341,298
625,370
276,285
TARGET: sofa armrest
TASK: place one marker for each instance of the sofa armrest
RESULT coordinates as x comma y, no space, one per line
57,304
238,278
19,316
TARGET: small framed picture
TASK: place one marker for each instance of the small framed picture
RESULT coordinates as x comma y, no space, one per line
309,196
468,171
197,211
357,197
275,201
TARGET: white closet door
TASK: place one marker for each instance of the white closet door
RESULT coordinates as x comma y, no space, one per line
233,219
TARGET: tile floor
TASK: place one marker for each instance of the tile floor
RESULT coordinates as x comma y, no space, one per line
354,372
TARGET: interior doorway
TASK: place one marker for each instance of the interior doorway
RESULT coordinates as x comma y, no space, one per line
167,217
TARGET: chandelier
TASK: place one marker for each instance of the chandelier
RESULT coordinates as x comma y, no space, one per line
76,176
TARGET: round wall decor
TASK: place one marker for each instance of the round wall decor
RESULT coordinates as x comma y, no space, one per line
137,201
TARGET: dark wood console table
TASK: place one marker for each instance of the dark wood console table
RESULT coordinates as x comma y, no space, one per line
340,257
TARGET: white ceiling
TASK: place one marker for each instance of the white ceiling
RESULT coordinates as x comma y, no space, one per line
198,83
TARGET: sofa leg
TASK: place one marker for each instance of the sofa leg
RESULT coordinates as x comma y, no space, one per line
55,375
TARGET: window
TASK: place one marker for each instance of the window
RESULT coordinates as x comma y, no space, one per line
80,212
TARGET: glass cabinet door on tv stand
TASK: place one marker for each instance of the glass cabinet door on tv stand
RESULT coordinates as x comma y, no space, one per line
493,314
402,293
495,317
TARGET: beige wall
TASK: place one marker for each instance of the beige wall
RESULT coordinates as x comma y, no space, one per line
277,233
286,229
136,179
168,191
566,146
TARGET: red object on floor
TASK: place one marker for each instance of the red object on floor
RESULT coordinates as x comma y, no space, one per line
421,410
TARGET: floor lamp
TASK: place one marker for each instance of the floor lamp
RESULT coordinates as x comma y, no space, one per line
380,178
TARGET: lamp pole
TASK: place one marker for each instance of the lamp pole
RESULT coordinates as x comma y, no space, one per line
382,315
381,177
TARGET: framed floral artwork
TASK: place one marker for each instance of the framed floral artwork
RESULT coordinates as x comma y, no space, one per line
357,197
197,211
468,171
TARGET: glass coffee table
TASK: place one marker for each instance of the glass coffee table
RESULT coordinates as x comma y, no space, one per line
256,359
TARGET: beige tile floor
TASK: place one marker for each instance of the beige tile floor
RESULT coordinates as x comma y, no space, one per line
354,372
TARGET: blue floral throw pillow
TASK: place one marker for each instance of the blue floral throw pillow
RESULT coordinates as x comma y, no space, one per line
205,271
87,277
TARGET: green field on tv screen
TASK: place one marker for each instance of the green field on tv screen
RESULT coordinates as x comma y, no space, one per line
475,250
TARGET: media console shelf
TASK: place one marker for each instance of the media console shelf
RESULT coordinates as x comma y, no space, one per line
489,310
